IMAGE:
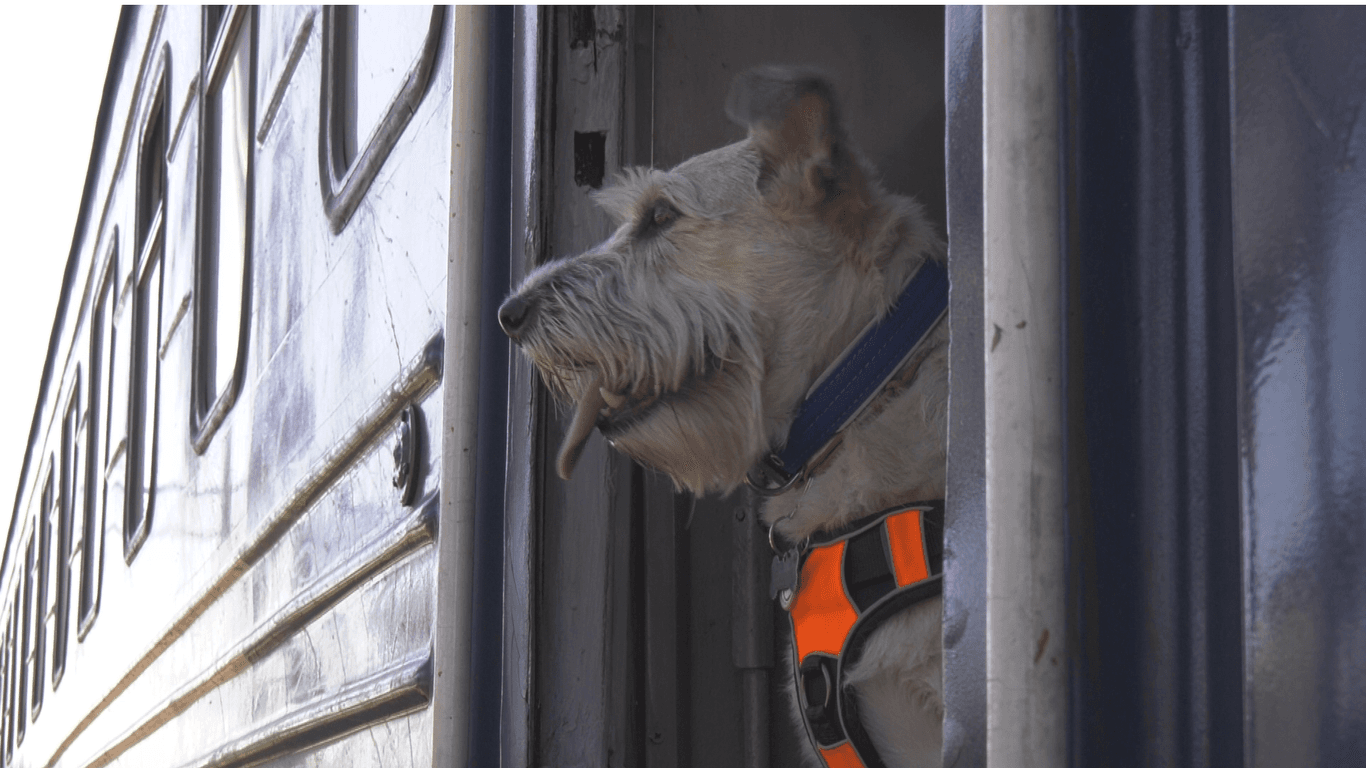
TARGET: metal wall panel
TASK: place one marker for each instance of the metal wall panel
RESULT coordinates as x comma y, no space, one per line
1151,440
965,515
1299,239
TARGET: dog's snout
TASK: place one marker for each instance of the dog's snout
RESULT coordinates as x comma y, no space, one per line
515,315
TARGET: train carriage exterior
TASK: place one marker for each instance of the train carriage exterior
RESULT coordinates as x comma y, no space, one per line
288,500
239,445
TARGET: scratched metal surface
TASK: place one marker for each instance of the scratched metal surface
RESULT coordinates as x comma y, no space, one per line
1299,228
283,597
965,570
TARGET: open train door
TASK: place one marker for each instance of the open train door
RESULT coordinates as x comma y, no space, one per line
638,628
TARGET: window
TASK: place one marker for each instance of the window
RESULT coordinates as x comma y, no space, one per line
67,495
144,389
223,266
43,531
152,169
7,692
142,408
213,24
23,614
373,47
102,338
377,64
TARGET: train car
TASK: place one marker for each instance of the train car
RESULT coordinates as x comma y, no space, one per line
289,500
225,546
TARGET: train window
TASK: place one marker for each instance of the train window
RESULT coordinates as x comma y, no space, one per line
16,727
223,266
213,21
146,369
101,367
152,168
373,48
377,63
23,609
43,530
66,511
8,691
142,408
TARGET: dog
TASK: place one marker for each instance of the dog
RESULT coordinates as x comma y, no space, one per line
692,334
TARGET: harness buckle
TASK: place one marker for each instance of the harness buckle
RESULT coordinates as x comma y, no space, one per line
768,477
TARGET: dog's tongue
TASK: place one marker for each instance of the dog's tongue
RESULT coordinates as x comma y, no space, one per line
585,418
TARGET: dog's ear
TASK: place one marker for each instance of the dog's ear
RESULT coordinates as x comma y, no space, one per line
794,122
620,198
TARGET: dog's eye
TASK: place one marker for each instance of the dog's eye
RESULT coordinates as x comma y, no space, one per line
660,217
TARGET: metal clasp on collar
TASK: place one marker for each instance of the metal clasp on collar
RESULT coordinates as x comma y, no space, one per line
769,477
785,571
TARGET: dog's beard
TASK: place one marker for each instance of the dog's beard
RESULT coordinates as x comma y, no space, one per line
704,435
702,429
659,367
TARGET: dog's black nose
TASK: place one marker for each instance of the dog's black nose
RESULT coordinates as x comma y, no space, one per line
515,315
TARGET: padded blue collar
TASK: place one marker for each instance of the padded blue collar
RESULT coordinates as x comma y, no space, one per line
866,366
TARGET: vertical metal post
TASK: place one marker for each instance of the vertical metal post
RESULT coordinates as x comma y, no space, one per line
1026,620
664,685
751,629
486,657
965,539
519,531
460,382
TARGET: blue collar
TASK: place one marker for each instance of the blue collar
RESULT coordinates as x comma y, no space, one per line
843,391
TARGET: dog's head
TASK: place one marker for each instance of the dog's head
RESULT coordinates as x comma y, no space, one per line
689,336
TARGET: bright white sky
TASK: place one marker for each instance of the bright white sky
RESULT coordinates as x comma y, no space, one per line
53,59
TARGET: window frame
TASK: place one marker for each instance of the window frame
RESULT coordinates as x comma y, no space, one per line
7,737
343,188
23,600
103,345
144,393
209,408
144,363
42,534
68,473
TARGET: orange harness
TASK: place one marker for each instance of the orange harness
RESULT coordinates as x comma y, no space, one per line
850,583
